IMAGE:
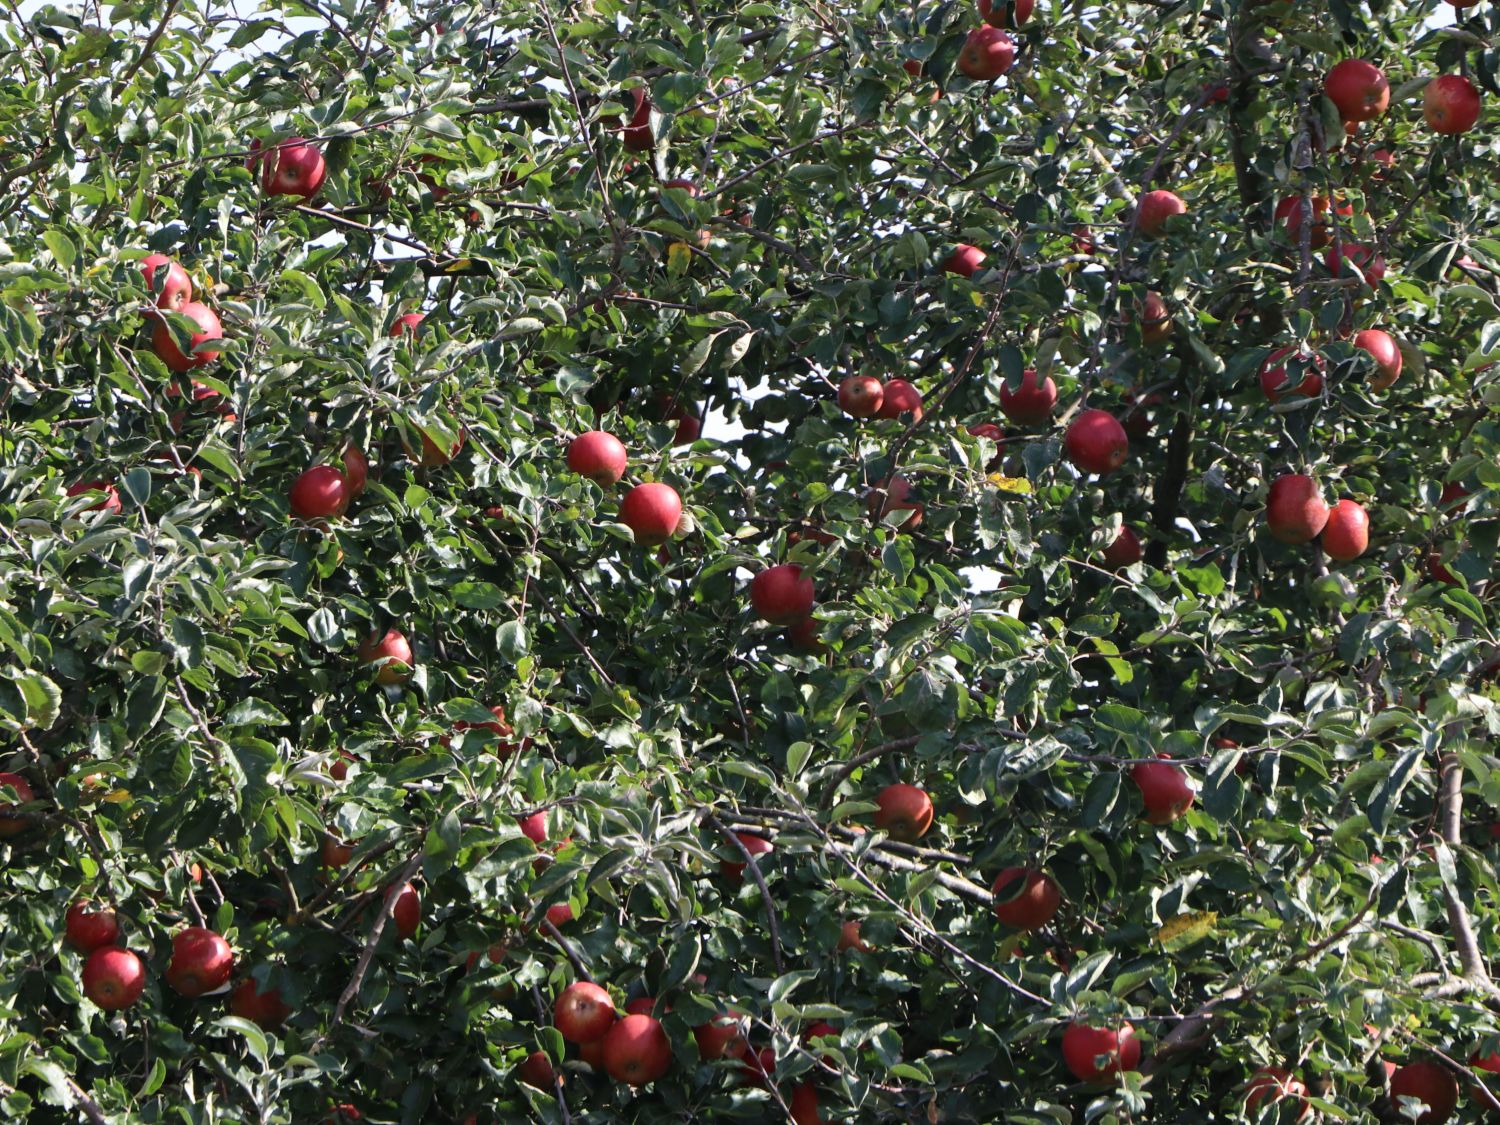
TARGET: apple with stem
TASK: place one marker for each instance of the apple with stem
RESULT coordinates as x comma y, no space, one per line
1096,442
1358,88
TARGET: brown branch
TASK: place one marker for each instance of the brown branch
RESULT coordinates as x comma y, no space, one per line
580,967
387,907
542,1019
861,759
1450,814
760,881
148,47
90,1107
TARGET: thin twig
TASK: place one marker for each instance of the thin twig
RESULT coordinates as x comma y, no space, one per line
387,908
760,881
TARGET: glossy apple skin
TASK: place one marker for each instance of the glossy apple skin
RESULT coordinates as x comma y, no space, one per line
110,503
637,132
1273,376
1359,89
393,644
1346,535
900,397
1295,509
965,260
1451,104
407,325
734,869
407,911
599,456
294,166
319,493
1030,404
1165,790
1432,1084
176,288
780,595
166,347
1083,1045
113,978
722,1037
1155,319
1124,551
860,396
636,1050
1385,352
987,53
905,812
1036,904
267,1008
1153,210
1096,442
11,825
1371,264
88,928
201,961
534,827
583,1012
997,15
653,512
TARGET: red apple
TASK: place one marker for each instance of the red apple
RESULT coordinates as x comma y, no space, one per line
805,635
1030,404
266,1008
88,929
987,430
1025,899
1154,209
1006,14
636,1050
689,425
392,648
1432,1085
1369,263
407,324
757,1066
637,133
1096,442
653,512
113,978
534,827
1274,374
209,329
722,1037
1272,1084
583,1012
896,495
1347,532
1164,787
1386,354
407,911
10,823
430,456
905,812
1359,89
860,396
1154,318
914,66
320,492
1097,1054
803,1106
335,853
1295,509
598,455
536,1070
356,470
1083,240
1450,103
1289,215
111,501
849,938
900,398
201,961
780,595
291,167
342,1114
734,869
1124,551
496,726
987,53
176,287
964,261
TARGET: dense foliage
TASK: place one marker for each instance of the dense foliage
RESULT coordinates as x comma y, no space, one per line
633,217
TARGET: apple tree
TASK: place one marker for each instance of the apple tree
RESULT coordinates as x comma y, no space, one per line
749,562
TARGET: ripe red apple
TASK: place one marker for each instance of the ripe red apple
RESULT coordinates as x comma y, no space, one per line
536,1070
1096,442
1386,354
1083,240
1347,532
201,961
176,287
1025,899
1432,1085
1438,571
637,132
722,1037
583,1012
900,398
987,430
113,978
734,869
342,1114
1274,375
653,512
88,929
905,812
758,1066
780,595
496,726
1450,103
1006,14
964,261
1295,509
534,827
267,1008
320,492
1272,1084
689,425
914,67
559,914
1154,209
987,53
805,635
1165,789
209,329
356,470
111,501
849,938
407,324
291,167
335,853
1097,1054
1358,88
897,498
803,1105
1369,263
1030,404
860,396
407,912
1124,551
10,823
391,647
1154,318
1289,215
636,1050
598,455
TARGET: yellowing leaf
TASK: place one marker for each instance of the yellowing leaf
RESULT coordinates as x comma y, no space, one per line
1185,929
1011,484
679,257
